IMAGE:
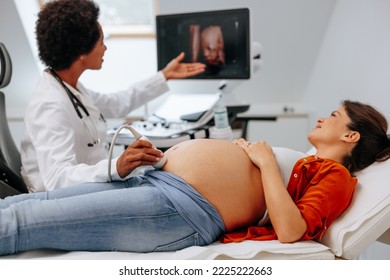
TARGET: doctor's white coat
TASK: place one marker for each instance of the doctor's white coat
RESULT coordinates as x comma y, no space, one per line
58,148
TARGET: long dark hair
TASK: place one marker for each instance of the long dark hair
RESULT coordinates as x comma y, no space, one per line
374,143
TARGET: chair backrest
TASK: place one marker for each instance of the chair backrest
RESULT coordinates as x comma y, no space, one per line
5,67
10,162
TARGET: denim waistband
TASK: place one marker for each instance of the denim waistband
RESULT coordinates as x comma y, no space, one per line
196,210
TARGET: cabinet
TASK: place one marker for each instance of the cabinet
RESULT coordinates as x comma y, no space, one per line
290,132
278,125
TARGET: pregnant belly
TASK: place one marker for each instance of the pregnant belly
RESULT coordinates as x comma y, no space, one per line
224,175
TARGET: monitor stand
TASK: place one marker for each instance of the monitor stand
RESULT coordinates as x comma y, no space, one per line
226,87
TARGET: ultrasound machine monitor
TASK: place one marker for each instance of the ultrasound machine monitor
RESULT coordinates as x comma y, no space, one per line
220,39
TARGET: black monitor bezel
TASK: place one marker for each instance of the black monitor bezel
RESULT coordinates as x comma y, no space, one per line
161,63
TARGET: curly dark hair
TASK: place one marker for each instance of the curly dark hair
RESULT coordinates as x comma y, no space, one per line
66,29
374,143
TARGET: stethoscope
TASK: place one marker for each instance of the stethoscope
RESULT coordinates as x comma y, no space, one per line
77,104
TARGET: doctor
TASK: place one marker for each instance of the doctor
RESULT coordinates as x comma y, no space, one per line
65,127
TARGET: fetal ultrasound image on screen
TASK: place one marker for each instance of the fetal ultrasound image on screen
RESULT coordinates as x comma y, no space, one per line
220,39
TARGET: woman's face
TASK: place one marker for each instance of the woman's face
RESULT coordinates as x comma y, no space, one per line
330,130
94,59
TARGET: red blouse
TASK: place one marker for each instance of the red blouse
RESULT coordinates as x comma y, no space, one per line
321,188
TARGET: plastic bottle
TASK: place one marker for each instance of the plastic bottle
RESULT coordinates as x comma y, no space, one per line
221,117
221,129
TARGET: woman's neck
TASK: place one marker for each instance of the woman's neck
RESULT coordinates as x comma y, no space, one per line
69,76
334,152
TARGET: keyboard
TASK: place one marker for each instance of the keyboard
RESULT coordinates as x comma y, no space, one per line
161,135
162,130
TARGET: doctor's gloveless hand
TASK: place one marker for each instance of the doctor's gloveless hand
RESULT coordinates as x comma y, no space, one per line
139,153
176,69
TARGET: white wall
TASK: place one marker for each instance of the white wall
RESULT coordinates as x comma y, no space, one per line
126,61
291,34
353,62
25,69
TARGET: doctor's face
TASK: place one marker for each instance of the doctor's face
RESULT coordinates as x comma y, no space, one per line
94,59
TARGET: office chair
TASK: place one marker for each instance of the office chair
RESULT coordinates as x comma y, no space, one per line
11,182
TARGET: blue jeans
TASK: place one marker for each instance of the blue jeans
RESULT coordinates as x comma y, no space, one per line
117,216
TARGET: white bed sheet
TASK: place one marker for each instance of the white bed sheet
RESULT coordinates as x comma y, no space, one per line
269,250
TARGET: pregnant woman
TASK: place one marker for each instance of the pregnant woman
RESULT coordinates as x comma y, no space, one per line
206,190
